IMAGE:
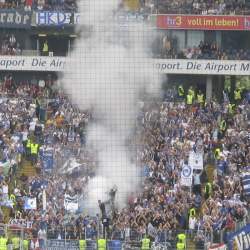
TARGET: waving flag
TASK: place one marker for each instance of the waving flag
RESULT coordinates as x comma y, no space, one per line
246,183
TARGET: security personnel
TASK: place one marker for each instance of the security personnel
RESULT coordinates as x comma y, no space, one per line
82,244
231,108
102,244
189,99
200,98
217,153
28,145
192,212
34,151
13,199
16,243
3,243
182,238
25,245
223,126
208,190
180,246
181,91
237,95
145,243
191,92
45,48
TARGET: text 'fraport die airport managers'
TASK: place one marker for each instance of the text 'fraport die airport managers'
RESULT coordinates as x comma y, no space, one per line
167,66
203,67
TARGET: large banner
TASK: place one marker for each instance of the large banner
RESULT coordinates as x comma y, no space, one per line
203,67
52,18
62,245
71,203
195,160
47,157
240,240
246,184
165,66
202,22
31,63
186,176
15,19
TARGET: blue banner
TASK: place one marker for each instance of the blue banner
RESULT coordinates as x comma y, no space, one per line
114,245
47,157
55,18
246,184
62,245
240,239
15,18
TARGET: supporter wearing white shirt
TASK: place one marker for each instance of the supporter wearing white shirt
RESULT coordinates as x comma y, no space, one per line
192,223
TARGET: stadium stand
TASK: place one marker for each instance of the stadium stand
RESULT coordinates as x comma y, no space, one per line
42,135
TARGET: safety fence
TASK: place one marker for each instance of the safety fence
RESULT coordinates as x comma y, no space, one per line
20,237
25,238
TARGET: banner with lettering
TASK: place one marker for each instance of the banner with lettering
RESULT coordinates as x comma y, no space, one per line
203,22
186,176
47,157
15,19
62,245
164,66
240,239
55,18
195,160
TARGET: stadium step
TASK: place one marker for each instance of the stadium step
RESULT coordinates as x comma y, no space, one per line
6,214
210,172
190,244
27,169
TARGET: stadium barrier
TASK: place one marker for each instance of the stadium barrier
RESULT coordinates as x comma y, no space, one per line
118,240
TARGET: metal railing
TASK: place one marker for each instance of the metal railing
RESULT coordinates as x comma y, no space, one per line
67,237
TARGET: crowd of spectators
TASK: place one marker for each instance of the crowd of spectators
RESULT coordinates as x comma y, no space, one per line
166,133
10,46
199,7
204,50
224,7
28,5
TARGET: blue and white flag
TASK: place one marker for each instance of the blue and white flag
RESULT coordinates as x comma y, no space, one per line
71,203
30,203
246,184
47,157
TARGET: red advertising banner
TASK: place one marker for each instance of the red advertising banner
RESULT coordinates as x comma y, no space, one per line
198,22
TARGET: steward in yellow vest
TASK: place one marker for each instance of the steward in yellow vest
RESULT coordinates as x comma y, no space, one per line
13,199
181,238
217,153
82,245
34,148
180,246
25,245
181,91
237,94
191,92
45,48
102,244
223,125
192,212
16,243
231,108
145,244
3,243
208,190
200,98
28,145
189,99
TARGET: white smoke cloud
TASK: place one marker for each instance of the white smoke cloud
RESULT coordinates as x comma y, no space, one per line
107,71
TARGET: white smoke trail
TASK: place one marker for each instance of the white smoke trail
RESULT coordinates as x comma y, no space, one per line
107,71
